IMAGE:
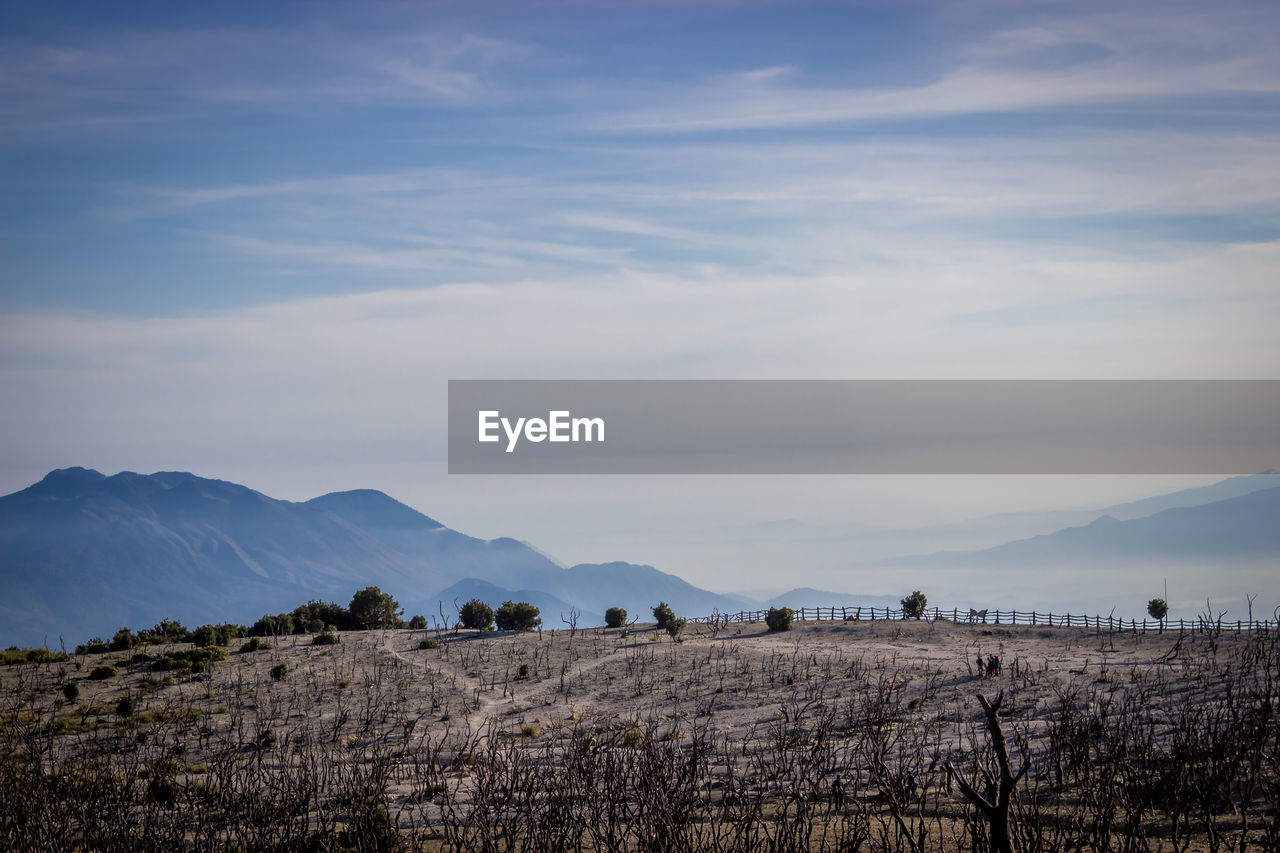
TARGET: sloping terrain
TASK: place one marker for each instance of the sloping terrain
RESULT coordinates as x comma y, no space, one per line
833,736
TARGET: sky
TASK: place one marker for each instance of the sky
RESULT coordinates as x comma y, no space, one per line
254,241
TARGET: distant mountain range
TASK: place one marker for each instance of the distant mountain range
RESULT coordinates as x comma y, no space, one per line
82,553
1246,528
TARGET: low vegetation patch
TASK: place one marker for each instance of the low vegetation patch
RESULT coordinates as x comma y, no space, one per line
14,655
189,660
779,618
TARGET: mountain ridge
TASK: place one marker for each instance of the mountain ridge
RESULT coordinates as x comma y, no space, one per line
85,553
1244,526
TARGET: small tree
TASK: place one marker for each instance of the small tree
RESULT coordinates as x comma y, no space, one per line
1158,608
123,640
779,618
674,626
477,615
663,614
913,605
615,617
522,616
373,608
418,621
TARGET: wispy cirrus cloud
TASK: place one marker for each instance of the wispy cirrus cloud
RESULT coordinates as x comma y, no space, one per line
1060,57
154,75
256,242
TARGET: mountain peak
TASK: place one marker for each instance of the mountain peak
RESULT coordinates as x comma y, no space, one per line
65,483
73,475
372,508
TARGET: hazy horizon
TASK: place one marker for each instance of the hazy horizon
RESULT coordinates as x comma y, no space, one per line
841,555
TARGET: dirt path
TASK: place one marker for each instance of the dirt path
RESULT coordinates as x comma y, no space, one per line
481,707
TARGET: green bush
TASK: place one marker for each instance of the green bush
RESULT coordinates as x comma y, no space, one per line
216,635
662,614
779,618
675,625
71,690
325,639
373,608
16,655
1158,608
913,605
418,622
166,631
615,617
429,644
101,673
521,616
123,640
189,660
477,615
279,671
327,613
124,708
251,646
94,647
270,626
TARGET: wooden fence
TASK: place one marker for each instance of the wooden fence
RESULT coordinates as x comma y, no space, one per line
1001,617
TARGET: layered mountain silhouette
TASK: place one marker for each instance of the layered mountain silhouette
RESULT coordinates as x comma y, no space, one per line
82,554
1244,528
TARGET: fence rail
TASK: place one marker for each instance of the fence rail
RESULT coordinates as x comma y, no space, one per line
1001,617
